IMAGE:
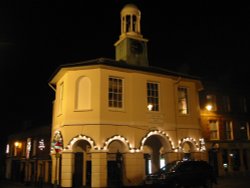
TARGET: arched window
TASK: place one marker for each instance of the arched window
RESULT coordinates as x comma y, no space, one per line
83,94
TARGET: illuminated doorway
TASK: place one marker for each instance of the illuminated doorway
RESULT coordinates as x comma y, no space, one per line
155,153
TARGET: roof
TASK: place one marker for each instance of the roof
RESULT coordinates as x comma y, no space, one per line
123,65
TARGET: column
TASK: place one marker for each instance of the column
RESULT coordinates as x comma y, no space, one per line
134,169
66,169
99,169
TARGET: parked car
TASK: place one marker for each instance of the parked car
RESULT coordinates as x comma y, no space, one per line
182,174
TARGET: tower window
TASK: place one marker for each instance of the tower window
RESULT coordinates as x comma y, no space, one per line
134,23
115,92
128,23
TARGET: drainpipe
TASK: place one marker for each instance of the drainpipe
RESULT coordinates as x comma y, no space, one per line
50,85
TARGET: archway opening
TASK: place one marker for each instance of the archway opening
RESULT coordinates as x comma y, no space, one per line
186,149
155,153
116,149
82,164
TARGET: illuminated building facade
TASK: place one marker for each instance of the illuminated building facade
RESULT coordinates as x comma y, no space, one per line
116,120
28,156
225,120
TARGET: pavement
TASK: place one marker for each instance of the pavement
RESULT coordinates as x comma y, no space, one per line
233,182
223,182
11,184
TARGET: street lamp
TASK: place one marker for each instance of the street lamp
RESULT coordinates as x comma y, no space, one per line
209,107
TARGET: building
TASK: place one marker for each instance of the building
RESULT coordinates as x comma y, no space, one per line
116,120
28,156
225,122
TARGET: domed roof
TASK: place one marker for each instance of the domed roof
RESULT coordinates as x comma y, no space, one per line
130,8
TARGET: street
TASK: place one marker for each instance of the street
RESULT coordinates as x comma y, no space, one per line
223,182
233,182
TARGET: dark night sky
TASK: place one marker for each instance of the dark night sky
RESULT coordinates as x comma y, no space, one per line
203,38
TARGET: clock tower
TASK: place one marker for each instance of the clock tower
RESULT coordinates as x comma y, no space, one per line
131,46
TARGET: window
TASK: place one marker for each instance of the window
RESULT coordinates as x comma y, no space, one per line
243,104
83,94
60,106
153,96
213,130
183,100
211,101
244,131
115,92
226,104
228,130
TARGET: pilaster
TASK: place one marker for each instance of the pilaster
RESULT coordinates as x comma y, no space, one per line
99,169
66,169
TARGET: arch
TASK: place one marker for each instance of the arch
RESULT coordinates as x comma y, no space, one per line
83,94
165,139
117,146
126,143
188,142
81,147
81,137
156,146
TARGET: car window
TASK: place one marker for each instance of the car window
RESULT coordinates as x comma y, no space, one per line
169,166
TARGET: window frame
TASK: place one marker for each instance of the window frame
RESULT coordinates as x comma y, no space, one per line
217,130
116,94
180,100
153,96
228,130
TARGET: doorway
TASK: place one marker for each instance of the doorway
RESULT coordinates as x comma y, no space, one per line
82,164
78,173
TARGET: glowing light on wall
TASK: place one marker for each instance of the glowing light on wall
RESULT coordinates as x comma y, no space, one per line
17,145
28,148
131,148
199,146
209,107
202,144
150,107
7,151
41,144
